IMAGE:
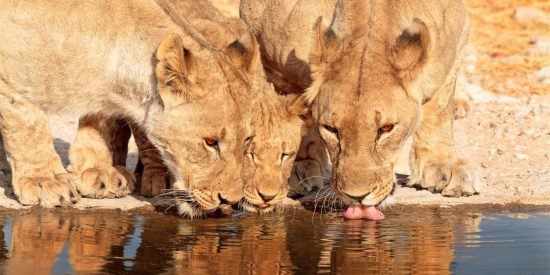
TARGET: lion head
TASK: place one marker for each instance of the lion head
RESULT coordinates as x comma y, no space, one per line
279,123
365,99
202,128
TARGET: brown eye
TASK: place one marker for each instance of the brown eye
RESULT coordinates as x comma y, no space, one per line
211,142
385,129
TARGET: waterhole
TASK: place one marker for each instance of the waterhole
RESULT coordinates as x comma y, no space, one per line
436,241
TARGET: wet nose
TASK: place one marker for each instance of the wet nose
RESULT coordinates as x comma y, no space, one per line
357,198
265,197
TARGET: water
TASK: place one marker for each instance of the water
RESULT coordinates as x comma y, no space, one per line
426,241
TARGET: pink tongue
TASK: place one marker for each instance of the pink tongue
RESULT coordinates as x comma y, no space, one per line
354,212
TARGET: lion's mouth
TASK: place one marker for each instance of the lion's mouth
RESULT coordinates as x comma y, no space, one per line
368,207
193,203
256,208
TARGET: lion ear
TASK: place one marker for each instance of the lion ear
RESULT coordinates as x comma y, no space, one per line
244,52
175,66
411,48
326,44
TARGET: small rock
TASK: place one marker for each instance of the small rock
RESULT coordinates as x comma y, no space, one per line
541,46
484,165
543,75
500,152
527,14
522,156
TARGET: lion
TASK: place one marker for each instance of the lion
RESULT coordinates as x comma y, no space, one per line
375,74
279,123
140,61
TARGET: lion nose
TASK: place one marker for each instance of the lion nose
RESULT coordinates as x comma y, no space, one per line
265,197
357,198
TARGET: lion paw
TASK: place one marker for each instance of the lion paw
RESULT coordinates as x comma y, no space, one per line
47,191
110,182
450,179
306,176
154,181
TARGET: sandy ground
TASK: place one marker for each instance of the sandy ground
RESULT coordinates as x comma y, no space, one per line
506,133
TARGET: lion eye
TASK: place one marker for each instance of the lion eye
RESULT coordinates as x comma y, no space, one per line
330,129
212,143
385,129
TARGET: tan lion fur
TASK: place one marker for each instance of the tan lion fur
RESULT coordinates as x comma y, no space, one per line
101,57
366,64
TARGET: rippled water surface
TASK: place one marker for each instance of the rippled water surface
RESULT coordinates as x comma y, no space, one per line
434,241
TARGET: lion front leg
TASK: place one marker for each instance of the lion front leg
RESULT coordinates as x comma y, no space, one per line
155,176
311,169
38,176
98,157
434,162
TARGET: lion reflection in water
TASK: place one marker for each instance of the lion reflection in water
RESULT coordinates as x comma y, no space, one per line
95,243
90,240
356,246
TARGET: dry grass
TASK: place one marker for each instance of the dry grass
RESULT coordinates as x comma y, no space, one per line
497,37
501,44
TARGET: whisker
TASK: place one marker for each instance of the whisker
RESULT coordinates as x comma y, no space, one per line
332,203
169,207
311,177
315,201
323,205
